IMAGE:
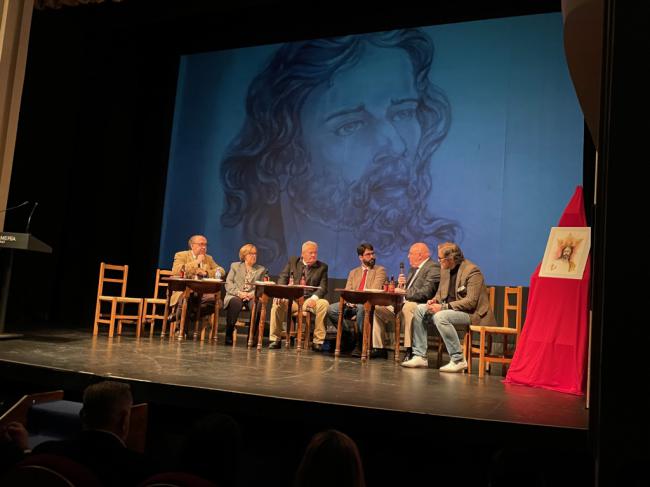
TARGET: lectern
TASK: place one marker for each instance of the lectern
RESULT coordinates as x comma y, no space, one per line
10,241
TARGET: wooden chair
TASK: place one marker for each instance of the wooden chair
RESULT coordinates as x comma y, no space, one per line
156,301
122,273
485,350
307,334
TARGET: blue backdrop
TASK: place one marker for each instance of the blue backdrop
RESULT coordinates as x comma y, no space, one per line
357,138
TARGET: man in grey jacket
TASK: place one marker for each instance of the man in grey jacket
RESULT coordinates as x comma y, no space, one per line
462,300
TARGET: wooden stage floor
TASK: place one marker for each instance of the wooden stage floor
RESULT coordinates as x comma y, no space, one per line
305,376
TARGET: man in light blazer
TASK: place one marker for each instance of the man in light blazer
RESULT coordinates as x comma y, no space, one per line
420,284
240,288
196,262
375,275
462,300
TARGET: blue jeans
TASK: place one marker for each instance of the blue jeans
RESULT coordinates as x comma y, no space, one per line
333,315
444,321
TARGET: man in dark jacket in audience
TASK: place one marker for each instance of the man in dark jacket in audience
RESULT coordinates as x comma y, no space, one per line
101,446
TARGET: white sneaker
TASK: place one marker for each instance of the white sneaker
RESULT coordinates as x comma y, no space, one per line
416,362
454,366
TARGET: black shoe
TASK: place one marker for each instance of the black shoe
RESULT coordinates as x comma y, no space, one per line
276,345
408,354
317,347
356,352
378,353
229,331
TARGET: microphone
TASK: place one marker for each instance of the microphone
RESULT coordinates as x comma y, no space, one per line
29,219
14,207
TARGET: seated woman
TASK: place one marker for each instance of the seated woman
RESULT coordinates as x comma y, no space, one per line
240,286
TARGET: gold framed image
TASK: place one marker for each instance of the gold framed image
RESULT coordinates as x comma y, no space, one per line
566,252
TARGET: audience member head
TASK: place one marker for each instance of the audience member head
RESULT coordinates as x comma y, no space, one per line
213,449
107,407
334,453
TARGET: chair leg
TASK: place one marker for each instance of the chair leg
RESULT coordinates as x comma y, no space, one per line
111,325
97,313
481,357
139,322
307,329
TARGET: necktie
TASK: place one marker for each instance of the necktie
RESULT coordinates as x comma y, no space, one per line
362,284
414,271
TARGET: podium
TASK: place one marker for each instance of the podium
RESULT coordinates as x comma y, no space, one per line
10,241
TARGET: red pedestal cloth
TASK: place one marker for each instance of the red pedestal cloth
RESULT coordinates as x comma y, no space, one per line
552,349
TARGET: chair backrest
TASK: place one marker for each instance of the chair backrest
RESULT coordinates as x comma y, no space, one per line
118,275
516,308
160,284
491,293
176,479
50,470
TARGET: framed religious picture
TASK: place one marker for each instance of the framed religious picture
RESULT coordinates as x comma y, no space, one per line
566,252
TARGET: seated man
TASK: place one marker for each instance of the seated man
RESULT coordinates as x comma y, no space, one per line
196,262
315,273
462,300
100,446
366,276
420,284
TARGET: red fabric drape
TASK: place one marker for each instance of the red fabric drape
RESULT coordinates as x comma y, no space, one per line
552,349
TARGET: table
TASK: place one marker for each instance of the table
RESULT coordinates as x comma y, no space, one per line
369,299
266,290
200,287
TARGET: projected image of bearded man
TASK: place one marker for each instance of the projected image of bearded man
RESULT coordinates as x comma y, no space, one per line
337,146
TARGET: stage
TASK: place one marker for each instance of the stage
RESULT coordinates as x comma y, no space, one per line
290,375
282,397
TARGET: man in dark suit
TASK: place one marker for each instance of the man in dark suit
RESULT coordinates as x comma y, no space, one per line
461,300
420,285
315,273
366,276
100,446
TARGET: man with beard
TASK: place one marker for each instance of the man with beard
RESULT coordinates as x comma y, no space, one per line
336,146
315,273
366,276
419,286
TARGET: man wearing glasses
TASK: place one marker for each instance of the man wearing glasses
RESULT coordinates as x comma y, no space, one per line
462,300
366,276
419,286
196,262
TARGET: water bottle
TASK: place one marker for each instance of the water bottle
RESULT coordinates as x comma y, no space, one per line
182,273
266,276
217,274
291,279
303,279
385,288
391,284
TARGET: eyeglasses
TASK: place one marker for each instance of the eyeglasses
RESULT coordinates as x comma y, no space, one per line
200,244
442,259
